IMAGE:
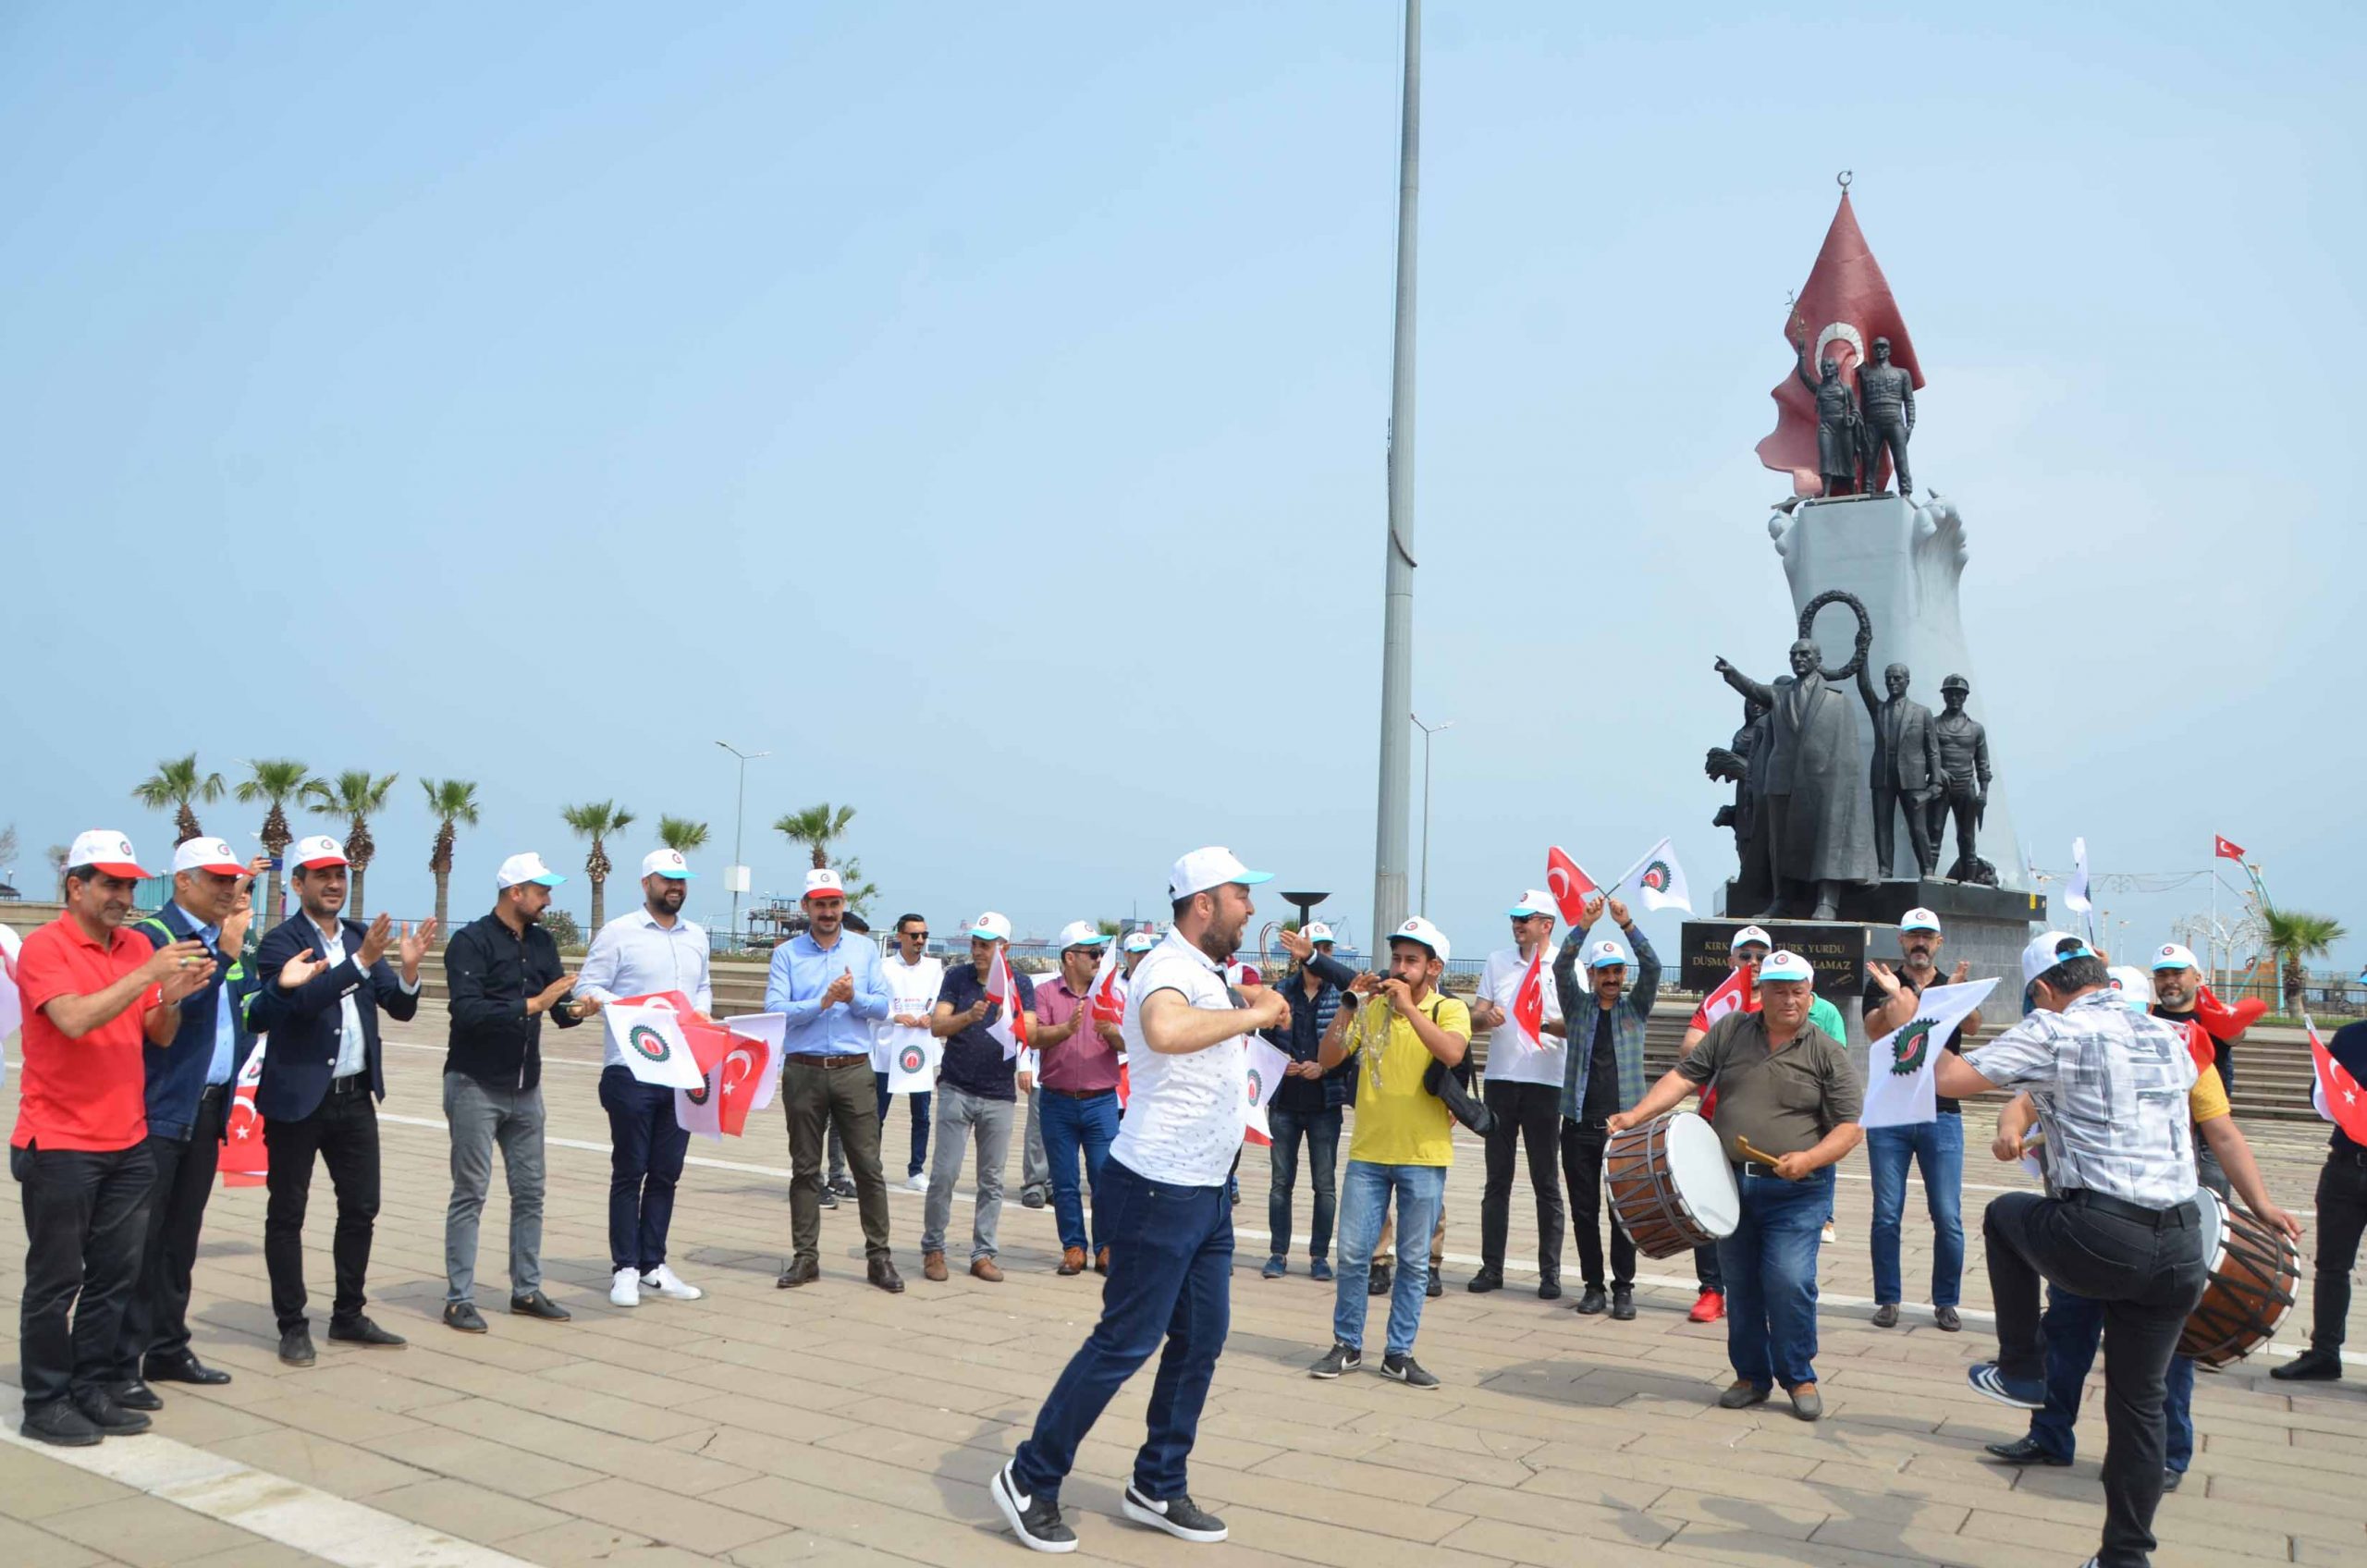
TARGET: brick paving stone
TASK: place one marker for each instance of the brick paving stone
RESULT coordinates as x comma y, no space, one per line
24,1546
146,1531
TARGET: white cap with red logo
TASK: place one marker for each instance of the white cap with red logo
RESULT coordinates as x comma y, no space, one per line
208,854
1422,931
320,850
821,882
667,863
104,849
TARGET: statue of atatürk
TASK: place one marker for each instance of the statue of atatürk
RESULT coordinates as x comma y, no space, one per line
1886,407
1964,762
1814,809
1908,773
1745,765
1840,440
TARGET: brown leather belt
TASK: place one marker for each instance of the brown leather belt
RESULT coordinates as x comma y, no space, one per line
830,1059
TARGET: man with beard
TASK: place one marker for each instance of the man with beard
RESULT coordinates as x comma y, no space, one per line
1605,1070
1936,1147
328,980
1170,1230
1078,1087
977,1092
1524,1091
1307,1104
94,994
649,950
912,978
502,975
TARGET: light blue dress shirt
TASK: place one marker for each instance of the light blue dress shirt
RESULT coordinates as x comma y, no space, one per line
225,1034
802,972
635,956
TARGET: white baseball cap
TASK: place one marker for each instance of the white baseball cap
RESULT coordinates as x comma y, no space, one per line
320,850
990,927
1210,868
208,854
2136,988
2044,952
821,882
1534,902
1082,933
1751,934
1316,931
528,867
2172,956
1784,964
1603,954
1422,931
104,849
667,863
1141,941
1919,919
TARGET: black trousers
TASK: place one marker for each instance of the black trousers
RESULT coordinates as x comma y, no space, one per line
343,1131
2149,1276
155,1320
1528,1114
1582,1147
86,1213
2342,1219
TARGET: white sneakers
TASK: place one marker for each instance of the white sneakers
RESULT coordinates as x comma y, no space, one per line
668,1284
917,1182
625,1290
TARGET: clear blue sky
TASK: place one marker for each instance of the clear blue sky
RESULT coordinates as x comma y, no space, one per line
534,394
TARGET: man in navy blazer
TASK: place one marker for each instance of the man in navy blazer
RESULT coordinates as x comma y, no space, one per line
322,1076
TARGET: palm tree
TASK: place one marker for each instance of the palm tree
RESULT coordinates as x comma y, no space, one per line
681,833
278,780
595,820
357,796
176,783
2294,936
815,827
451,802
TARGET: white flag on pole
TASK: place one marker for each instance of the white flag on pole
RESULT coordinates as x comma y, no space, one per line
1899,1065
654,1052
2075,894
1657,881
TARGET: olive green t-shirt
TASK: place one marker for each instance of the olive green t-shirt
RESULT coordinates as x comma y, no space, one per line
1784,1102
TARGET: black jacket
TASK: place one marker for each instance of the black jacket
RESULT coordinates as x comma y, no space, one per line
304,1023
492,974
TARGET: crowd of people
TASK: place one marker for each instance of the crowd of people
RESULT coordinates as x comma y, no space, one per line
137,1031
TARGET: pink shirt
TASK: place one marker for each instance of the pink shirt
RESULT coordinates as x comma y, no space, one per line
1083,1063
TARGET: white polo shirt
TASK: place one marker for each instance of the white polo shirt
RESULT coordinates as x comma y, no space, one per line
1511,1058
1183,1123
912,989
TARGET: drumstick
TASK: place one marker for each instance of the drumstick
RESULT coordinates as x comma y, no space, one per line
1742,1146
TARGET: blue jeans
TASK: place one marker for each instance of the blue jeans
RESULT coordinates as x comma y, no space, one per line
1770,1268
920,1110
646,1143
1322,1130
1419,1191
1070,1125
1937,1146
1170,1278
2073,1327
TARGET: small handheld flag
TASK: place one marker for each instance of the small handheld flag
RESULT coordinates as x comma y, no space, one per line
1571,887
1900,1066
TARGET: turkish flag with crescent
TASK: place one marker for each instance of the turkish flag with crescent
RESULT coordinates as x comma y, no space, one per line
2224,849
1843,306
2337,1096
245,1162
1572,888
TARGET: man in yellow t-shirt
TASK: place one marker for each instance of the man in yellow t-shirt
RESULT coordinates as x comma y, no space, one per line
1403,1145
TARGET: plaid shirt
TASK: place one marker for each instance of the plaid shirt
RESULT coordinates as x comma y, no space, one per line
2110,1086
1628,1016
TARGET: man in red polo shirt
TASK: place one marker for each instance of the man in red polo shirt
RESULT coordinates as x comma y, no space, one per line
94,992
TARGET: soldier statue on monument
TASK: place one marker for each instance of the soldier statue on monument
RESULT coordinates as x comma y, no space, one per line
1964,759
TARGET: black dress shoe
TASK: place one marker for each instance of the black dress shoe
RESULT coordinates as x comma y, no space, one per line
1487,1280
801,1271
60,1424
2024,1450
533,1303
1382,1282
1591,1302
2312,1366
1623,1304
1549,1290
363,1332
464,1315
181,1366
883,1274
99,1408
1437,1286
136,1395
296,1346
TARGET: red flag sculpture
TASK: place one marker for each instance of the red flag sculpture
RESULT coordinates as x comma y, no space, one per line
1843,306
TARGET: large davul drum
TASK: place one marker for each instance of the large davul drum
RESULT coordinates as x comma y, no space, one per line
2254,1272
1671,1187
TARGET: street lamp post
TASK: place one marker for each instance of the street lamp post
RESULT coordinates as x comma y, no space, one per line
1397,585
1428,731
738,873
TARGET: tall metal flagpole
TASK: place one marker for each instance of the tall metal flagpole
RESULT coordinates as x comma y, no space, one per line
1397,606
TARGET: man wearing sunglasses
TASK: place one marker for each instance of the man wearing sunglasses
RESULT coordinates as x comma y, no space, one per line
914,979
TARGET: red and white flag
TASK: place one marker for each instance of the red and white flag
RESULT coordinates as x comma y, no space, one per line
1843,306
1107,994
2225,1022
2336,1094
718,1108
1010,1026
1571,887
2226,849
655,1048
1529,1002
1657,881
245,1162
1733,993
1262,1077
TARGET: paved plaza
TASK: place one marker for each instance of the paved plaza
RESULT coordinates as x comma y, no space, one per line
837,1424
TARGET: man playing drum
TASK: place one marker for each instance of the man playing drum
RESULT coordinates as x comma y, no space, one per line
1788,1097
2119,1222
